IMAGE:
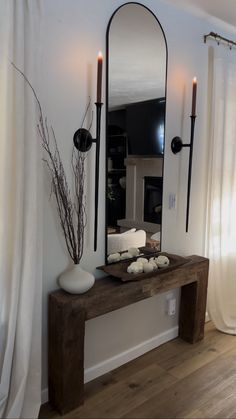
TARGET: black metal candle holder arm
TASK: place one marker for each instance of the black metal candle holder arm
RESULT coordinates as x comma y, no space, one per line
83,141
176,147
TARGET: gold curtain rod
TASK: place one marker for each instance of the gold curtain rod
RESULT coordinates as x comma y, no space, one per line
218,38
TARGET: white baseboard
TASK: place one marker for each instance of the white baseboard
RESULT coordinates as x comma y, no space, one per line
124,357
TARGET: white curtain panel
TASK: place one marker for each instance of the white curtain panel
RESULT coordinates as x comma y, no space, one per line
20,213
221,221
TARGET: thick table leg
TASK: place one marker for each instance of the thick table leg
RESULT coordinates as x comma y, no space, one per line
66,356
193,309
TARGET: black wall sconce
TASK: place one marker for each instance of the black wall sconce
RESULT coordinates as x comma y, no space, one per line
83,142
177,145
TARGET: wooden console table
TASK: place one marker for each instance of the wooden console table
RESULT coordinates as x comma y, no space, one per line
68,313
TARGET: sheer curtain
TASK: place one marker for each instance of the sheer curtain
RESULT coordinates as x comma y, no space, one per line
221,222
20,224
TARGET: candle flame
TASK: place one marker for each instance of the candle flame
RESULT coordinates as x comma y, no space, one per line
100,56
195,80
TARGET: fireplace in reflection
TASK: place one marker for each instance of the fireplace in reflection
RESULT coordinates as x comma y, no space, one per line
153,199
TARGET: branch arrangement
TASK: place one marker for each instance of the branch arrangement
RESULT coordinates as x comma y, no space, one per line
71,210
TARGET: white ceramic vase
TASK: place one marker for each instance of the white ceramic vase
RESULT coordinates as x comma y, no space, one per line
75,280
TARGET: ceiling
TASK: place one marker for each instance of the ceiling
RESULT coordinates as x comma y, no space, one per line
223,10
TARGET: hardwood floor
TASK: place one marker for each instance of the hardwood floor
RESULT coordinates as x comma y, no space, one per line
176,380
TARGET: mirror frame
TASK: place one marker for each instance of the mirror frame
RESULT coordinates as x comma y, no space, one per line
107,110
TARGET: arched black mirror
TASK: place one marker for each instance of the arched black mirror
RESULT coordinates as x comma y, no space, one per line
135,135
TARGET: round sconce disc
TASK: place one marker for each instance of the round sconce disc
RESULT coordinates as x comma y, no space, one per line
83,140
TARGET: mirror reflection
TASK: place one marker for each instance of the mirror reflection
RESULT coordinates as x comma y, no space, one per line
135,129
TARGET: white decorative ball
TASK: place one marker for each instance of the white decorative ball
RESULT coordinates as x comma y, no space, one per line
113,257
134,251
133,264
142,260
135,268
153,260
148,267
162,261
130,269
153,263
125,255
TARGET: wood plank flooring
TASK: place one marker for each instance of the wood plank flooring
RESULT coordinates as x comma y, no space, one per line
176,380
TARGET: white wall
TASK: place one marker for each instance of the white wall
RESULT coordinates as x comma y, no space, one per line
74,31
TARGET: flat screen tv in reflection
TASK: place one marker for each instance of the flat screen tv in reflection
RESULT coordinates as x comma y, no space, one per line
146,127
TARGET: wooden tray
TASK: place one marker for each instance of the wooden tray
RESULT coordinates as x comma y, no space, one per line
119,269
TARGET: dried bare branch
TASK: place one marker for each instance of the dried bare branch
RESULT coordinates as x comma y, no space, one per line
71,210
